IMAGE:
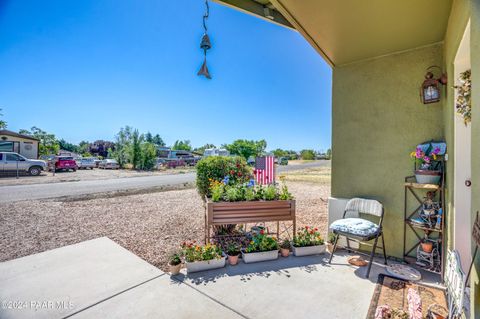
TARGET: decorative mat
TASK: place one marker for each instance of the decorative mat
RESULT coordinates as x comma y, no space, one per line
393,292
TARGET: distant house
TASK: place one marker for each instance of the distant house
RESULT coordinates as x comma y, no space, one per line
23,144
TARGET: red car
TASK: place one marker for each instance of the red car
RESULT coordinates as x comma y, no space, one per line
65,163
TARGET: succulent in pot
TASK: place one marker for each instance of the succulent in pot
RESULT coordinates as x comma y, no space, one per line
233,252
285,248
175,264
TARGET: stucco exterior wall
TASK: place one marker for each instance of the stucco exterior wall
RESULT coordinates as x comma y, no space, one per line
378,119
462,12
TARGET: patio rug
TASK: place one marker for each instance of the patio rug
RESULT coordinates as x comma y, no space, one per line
393,292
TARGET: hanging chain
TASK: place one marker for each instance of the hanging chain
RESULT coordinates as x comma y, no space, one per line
205,16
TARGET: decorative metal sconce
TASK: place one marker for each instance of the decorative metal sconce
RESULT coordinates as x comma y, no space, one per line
430,90
205,44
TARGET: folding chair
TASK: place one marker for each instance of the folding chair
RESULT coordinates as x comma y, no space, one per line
360,230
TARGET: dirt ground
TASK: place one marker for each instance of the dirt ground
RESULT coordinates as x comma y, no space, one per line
83,175
150,225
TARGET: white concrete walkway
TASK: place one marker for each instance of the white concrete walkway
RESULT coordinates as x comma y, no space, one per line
100,279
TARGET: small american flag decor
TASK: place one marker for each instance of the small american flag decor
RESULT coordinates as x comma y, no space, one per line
264,170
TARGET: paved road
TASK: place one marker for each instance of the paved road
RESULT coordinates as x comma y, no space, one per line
50,190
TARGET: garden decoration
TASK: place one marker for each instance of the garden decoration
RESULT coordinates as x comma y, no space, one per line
261,248
463,102
428,167
199,258
205,44
308,242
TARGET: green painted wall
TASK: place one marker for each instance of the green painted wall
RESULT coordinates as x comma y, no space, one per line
378,119
462,11
475,54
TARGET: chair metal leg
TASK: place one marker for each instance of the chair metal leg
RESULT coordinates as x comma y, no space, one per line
334,247
348,245
371,256
383,247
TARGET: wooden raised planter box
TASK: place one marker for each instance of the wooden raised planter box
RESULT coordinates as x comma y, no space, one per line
223,213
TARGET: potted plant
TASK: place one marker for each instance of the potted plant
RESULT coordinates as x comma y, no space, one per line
233,252
330,242
199,258
308,241
425,157
260,248
175,263
427,245
285,248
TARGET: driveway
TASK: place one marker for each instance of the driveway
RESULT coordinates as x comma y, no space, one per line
11,193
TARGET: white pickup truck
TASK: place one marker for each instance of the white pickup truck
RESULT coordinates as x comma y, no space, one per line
10,161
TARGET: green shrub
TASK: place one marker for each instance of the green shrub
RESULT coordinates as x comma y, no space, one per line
270,192
233,170
249,194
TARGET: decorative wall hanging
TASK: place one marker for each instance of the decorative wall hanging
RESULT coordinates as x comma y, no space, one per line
205,44
463,103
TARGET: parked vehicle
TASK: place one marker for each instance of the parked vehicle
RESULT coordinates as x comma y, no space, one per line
216,152
9,161
86,163
63,163
283,161
97,162
109,164
175,163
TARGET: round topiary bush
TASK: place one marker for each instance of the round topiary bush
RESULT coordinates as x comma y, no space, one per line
232,170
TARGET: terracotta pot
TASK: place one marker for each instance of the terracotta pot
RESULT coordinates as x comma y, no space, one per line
175,269
233,260
330,247
285,252
427,247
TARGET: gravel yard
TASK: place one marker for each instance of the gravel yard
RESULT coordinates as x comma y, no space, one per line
150,225
84,175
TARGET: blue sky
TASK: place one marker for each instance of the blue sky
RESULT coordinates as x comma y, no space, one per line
83,69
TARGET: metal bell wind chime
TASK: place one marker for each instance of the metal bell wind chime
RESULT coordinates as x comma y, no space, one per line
205,44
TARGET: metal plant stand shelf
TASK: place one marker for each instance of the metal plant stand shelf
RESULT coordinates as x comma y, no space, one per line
434,261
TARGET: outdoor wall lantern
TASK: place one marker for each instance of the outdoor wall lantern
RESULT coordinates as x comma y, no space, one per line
205,44
430,90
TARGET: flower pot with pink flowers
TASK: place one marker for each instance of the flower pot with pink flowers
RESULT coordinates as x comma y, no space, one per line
428,170
308,241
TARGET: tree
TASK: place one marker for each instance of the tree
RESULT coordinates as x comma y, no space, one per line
3,124
135,150
247,148
307,154
66,146
157,140
148,156
84,147
182,145
148,137
329,153
48,143
122,142
280,153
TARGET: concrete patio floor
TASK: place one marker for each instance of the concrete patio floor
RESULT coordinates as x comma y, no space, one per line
100,279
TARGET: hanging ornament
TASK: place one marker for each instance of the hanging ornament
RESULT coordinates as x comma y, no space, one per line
205,44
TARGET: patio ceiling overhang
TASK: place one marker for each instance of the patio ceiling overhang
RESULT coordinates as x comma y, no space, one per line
349,31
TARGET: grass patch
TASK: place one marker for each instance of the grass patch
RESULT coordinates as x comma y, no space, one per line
317,175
